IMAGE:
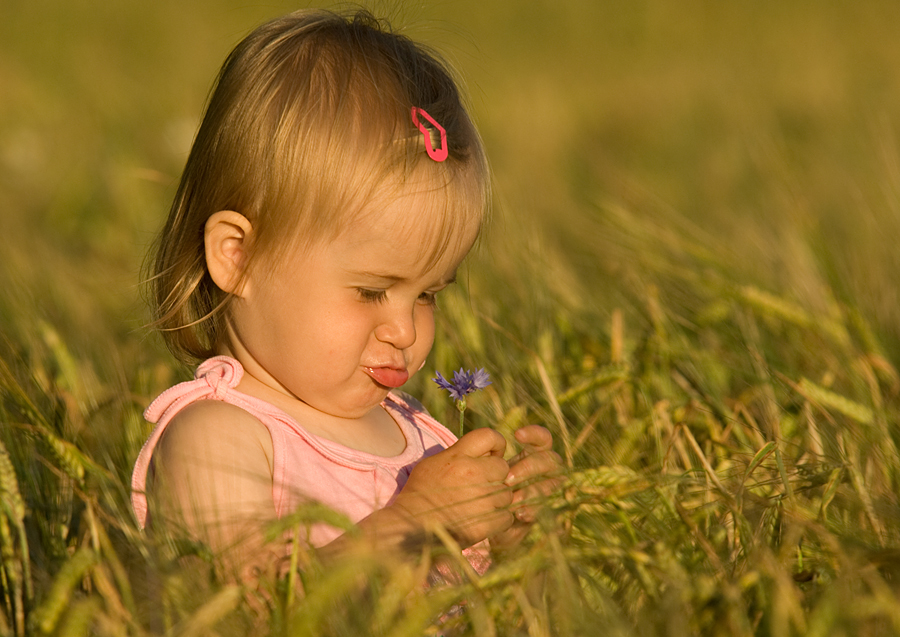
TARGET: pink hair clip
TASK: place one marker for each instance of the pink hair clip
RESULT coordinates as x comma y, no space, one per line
437,154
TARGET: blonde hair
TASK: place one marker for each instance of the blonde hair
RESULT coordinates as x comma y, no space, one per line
309,117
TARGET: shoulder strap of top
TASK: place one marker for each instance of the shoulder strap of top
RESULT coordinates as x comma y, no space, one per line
212,379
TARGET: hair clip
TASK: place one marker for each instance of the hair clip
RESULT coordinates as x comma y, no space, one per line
437,154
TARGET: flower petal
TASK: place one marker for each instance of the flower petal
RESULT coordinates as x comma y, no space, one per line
481,379
442,382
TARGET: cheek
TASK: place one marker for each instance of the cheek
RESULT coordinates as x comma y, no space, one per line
425,330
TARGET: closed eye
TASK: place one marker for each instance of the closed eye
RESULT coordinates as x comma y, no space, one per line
428,298
372,296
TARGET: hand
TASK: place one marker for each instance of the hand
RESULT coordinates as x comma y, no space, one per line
462,488
534,474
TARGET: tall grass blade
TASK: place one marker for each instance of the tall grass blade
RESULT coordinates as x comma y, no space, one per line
825,398
46,616
211,613
16,563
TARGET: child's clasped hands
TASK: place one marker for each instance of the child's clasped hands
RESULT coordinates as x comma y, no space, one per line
475,494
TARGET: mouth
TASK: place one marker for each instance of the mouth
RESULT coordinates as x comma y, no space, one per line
387,376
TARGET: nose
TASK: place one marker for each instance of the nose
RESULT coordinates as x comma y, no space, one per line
398,327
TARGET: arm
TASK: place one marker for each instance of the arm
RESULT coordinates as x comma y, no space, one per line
212,478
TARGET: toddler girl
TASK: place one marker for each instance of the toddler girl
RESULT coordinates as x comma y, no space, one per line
335,185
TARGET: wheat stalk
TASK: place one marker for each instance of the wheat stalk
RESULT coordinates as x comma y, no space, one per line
17,569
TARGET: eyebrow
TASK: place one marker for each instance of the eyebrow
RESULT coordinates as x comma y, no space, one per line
395,278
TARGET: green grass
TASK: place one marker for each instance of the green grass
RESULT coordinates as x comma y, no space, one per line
690,278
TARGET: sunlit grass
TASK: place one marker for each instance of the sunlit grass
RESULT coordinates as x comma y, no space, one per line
690,278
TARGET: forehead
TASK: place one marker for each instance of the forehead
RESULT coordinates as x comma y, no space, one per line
428,215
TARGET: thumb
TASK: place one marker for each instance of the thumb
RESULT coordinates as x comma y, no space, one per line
481,442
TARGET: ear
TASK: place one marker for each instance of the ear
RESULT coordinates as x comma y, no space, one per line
227,239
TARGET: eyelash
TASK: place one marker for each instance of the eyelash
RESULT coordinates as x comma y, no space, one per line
372,296
380,296
430,298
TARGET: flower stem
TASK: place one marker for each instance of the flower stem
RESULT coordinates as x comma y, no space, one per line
461,406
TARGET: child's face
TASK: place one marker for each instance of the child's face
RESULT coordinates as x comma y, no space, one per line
339,325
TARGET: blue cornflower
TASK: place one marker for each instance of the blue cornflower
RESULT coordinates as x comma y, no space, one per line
464,382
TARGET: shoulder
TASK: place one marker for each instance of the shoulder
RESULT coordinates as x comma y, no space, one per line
212,428
214,418
212,475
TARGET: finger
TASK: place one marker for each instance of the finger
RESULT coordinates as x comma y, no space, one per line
537,492
505,519
472,530
494,469
527,502
524,513
481,442
535,464
534,436
509,538
498,515
502,498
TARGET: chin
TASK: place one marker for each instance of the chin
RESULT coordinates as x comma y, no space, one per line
360,411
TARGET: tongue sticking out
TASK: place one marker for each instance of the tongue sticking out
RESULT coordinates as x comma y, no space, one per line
388,376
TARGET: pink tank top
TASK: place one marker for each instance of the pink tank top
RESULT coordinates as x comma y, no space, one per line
307,468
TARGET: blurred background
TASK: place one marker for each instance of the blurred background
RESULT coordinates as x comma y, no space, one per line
764,133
